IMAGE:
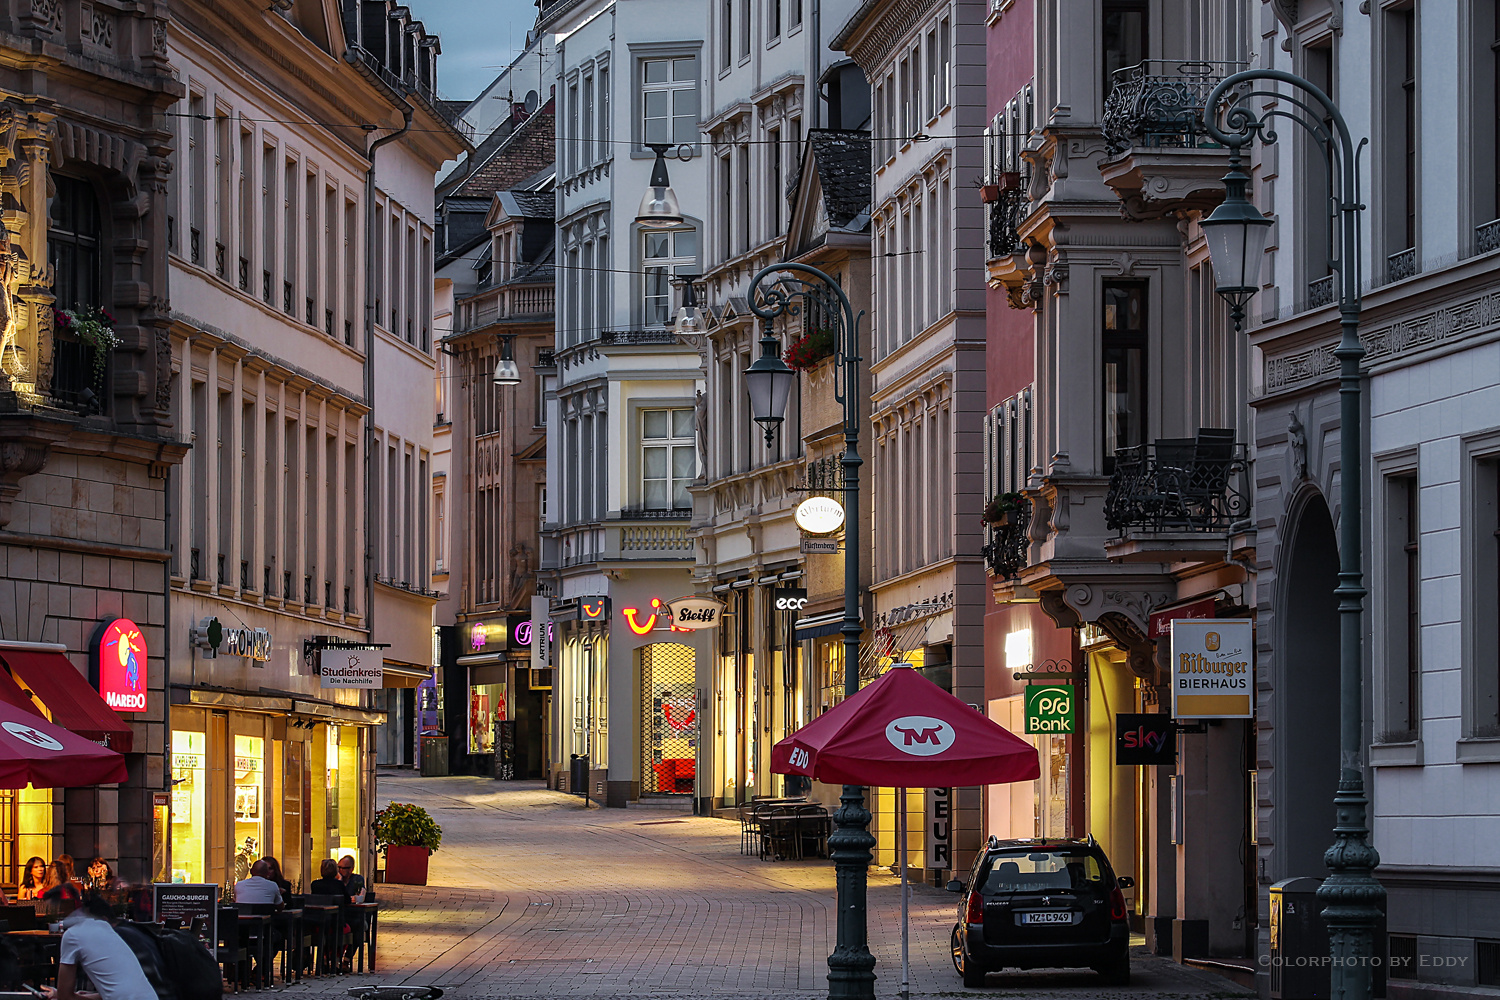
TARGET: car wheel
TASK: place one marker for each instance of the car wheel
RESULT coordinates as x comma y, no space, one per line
972,973
1117,971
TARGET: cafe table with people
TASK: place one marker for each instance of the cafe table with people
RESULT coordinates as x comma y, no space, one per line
256,933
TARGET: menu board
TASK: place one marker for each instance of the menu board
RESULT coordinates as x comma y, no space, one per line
184,901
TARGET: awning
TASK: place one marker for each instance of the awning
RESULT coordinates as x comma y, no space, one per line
38,753
67,696
817,626
403,675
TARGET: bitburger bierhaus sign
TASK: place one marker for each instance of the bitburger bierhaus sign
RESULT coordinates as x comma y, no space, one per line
1213,668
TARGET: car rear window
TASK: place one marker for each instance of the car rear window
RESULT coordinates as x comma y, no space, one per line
1033,871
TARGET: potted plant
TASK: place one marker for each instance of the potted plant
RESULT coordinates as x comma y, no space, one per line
805,352
407,835
92,326
1002,508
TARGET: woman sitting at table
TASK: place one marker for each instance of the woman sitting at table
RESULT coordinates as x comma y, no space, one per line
102,876
331,885
276,876
61,895
33,882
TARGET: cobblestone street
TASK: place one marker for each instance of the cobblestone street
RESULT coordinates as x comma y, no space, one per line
534,896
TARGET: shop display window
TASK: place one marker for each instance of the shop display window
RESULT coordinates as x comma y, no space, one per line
487,706
33,830
189,805
331,800
344,740
249,802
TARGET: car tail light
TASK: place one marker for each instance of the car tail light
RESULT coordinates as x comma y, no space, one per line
1116,905
975,913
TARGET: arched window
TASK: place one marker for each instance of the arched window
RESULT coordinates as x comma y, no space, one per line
74,236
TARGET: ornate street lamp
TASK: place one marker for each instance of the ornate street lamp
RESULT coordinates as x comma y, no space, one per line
789,289
506,371
1352,898
659,206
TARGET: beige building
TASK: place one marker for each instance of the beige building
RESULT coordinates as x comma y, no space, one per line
87,428
302,360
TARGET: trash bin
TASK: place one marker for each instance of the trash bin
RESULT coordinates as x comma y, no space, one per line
578,774
1300,963
434,756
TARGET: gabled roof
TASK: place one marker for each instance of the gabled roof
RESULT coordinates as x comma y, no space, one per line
833,188
526,151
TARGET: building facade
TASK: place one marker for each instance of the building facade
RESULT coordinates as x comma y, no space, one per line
301,264
86,421
621,441
925,61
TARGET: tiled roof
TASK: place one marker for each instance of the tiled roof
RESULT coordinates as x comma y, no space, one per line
842,160
535,204
526,151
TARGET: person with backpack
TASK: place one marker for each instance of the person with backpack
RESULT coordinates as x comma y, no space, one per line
89,943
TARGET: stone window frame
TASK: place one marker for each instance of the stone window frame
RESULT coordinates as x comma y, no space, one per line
1479,498
639,53
1388,620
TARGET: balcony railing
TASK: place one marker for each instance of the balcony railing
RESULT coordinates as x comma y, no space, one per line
1005,553
502,303
1159,102
655,513
1180,484
1005,218
648,336
1400,266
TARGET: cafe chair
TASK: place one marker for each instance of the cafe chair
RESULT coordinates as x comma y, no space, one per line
230,951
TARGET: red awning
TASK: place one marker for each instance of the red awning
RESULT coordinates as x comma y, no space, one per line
74,705
35,752
903,731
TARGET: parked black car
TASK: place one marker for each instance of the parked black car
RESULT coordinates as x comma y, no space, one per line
1041,904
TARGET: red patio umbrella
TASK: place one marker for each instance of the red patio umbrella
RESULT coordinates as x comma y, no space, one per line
35,752
903,731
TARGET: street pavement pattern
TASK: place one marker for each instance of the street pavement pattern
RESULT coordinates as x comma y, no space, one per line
535,895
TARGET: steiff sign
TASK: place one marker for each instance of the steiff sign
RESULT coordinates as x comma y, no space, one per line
692,613
1212,668
1049,709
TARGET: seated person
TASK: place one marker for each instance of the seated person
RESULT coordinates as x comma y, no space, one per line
258,888
331,885
90,943
34,882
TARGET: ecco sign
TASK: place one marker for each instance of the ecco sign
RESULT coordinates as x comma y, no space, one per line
819,515
789,599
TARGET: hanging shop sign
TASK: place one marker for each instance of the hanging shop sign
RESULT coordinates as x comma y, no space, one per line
593,609
789,598
1142,739
692,613
1212,668
819,515
1049,709
350,668
521,631
541,633
820,546
1160,624
939,820
491,636
117,658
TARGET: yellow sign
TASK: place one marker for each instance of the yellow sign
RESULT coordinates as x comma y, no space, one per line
1213,668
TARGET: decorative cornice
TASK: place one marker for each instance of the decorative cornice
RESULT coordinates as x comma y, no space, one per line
1403,337
888,22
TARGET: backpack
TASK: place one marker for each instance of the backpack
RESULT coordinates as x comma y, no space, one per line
143,944
194,972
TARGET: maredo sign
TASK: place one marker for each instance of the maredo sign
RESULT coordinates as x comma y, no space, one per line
118,658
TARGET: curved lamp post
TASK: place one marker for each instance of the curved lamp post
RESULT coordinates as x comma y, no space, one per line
1236,235
786,290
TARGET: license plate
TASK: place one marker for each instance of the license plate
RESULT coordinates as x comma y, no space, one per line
1050,917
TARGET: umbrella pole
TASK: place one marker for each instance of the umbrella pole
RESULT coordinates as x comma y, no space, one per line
901,834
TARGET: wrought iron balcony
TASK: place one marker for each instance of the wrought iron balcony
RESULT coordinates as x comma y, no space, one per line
1005,214
1180,485
1159,102
1005,553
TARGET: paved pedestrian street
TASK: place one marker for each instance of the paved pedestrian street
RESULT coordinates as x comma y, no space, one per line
534,895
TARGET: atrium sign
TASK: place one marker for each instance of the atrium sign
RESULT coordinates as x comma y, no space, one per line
819,515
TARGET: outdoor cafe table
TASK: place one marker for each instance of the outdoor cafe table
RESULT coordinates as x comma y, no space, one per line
330,935
289,922
256,929
38,952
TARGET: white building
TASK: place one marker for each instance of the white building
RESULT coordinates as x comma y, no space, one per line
1420,81
620,441
301,268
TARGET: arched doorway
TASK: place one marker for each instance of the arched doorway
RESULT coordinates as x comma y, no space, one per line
669,719
1307,692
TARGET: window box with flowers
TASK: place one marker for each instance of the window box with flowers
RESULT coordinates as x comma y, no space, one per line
1002,509
809,351
92,327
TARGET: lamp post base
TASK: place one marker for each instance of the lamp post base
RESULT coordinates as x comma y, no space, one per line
851,967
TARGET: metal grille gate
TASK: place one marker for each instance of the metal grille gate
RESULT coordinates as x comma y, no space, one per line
669,719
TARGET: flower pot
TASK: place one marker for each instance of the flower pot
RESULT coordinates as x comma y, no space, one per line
406,865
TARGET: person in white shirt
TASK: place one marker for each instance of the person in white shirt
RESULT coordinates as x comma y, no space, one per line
90,943
258,888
